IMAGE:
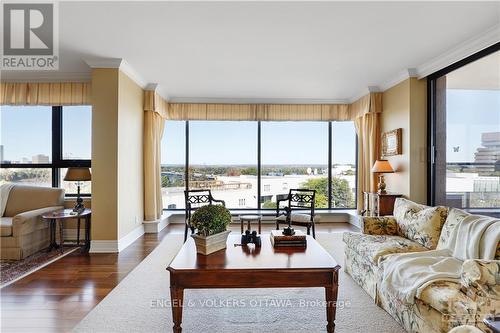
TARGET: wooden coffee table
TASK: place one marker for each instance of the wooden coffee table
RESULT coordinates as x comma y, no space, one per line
249,267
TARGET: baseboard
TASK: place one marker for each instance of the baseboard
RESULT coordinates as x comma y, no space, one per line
115,246
355,220
130,237
154,227
103,246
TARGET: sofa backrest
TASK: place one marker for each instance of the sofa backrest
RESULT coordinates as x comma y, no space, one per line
24,198
454,219
419,223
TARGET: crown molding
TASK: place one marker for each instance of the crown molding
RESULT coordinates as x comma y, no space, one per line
151,86
119,63
461,51
210,100
400,77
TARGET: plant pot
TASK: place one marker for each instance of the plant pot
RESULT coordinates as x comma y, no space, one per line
210,244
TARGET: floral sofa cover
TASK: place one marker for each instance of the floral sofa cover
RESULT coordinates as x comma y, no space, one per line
443,304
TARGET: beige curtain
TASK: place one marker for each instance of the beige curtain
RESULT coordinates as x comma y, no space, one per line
367,122
45,93
253,112
154,111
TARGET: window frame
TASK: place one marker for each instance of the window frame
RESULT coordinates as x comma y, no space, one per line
259,169
432,123
57,161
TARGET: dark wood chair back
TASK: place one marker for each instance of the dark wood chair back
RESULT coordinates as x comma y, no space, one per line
195,199
298,199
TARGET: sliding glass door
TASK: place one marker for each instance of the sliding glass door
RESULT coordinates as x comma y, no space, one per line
465,139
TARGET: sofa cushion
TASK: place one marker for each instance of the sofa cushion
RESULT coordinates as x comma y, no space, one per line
420,223
373,247
5,226
454,218
296,218
447,298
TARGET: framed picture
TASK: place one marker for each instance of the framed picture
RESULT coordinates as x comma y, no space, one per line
391,143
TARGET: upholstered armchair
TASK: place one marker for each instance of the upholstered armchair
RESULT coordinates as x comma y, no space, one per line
23,231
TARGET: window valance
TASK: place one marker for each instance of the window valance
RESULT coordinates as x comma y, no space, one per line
45,93
154,102
371,103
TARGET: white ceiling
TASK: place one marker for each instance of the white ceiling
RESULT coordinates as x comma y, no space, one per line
264,50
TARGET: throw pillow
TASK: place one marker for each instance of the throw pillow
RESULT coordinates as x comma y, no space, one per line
419,223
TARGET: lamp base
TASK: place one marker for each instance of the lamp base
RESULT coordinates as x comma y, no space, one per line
79,207
381,185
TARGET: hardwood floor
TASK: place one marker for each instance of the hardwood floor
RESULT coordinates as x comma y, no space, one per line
57,297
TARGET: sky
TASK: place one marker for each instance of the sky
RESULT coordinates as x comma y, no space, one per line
26,131
469,113
235,142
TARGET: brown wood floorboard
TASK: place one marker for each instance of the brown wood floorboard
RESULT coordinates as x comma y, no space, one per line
56,297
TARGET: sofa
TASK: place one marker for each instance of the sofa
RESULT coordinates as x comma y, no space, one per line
23,231
420,230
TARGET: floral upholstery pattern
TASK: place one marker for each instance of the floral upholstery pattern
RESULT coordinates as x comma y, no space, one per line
482,277
420,317
379,225
373,247
455,217
420,223
447,298
362,271
442,305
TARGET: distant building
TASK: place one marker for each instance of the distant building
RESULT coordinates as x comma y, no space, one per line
40,159
1,153
489,153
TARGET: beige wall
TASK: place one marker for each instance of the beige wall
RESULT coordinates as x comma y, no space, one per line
405,106
130,155
105,153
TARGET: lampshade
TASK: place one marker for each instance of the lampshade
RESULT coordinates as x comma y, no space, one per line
382,166
78,174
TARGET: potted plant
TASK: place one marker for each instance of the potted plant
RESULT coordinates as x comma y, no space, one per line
210,222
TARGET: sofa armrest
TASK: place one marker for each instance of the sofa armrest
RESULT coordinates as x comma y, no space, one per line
379,225
481,278
27,222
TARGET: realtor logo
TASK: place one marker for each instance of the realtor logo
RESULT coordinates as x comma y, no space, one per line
30,36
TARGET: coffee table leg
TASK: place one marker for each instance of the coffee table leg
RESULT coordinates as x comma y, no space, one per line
177,296
331,304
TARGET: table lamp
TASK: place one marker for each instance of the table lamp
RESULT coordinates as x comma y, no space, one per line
381,167
78,175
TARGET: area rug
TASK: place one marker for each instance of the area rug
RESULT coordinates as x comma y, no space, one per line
13,270
140,303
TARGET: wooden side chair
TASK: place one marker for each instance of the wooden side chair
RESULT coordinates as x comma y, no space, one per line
301,204
195,199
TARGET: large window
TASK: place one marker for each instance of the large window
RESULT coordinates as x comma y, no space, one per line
465,104
242,160
39,143
223,158
173,164
294,155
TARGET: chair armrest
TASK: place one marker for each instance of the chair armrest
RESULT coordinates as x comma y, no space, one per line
220,201
27,222
481,278
379,225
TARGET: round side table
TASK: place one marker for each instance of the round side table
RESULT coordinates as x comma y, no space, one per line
58,217
249,219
